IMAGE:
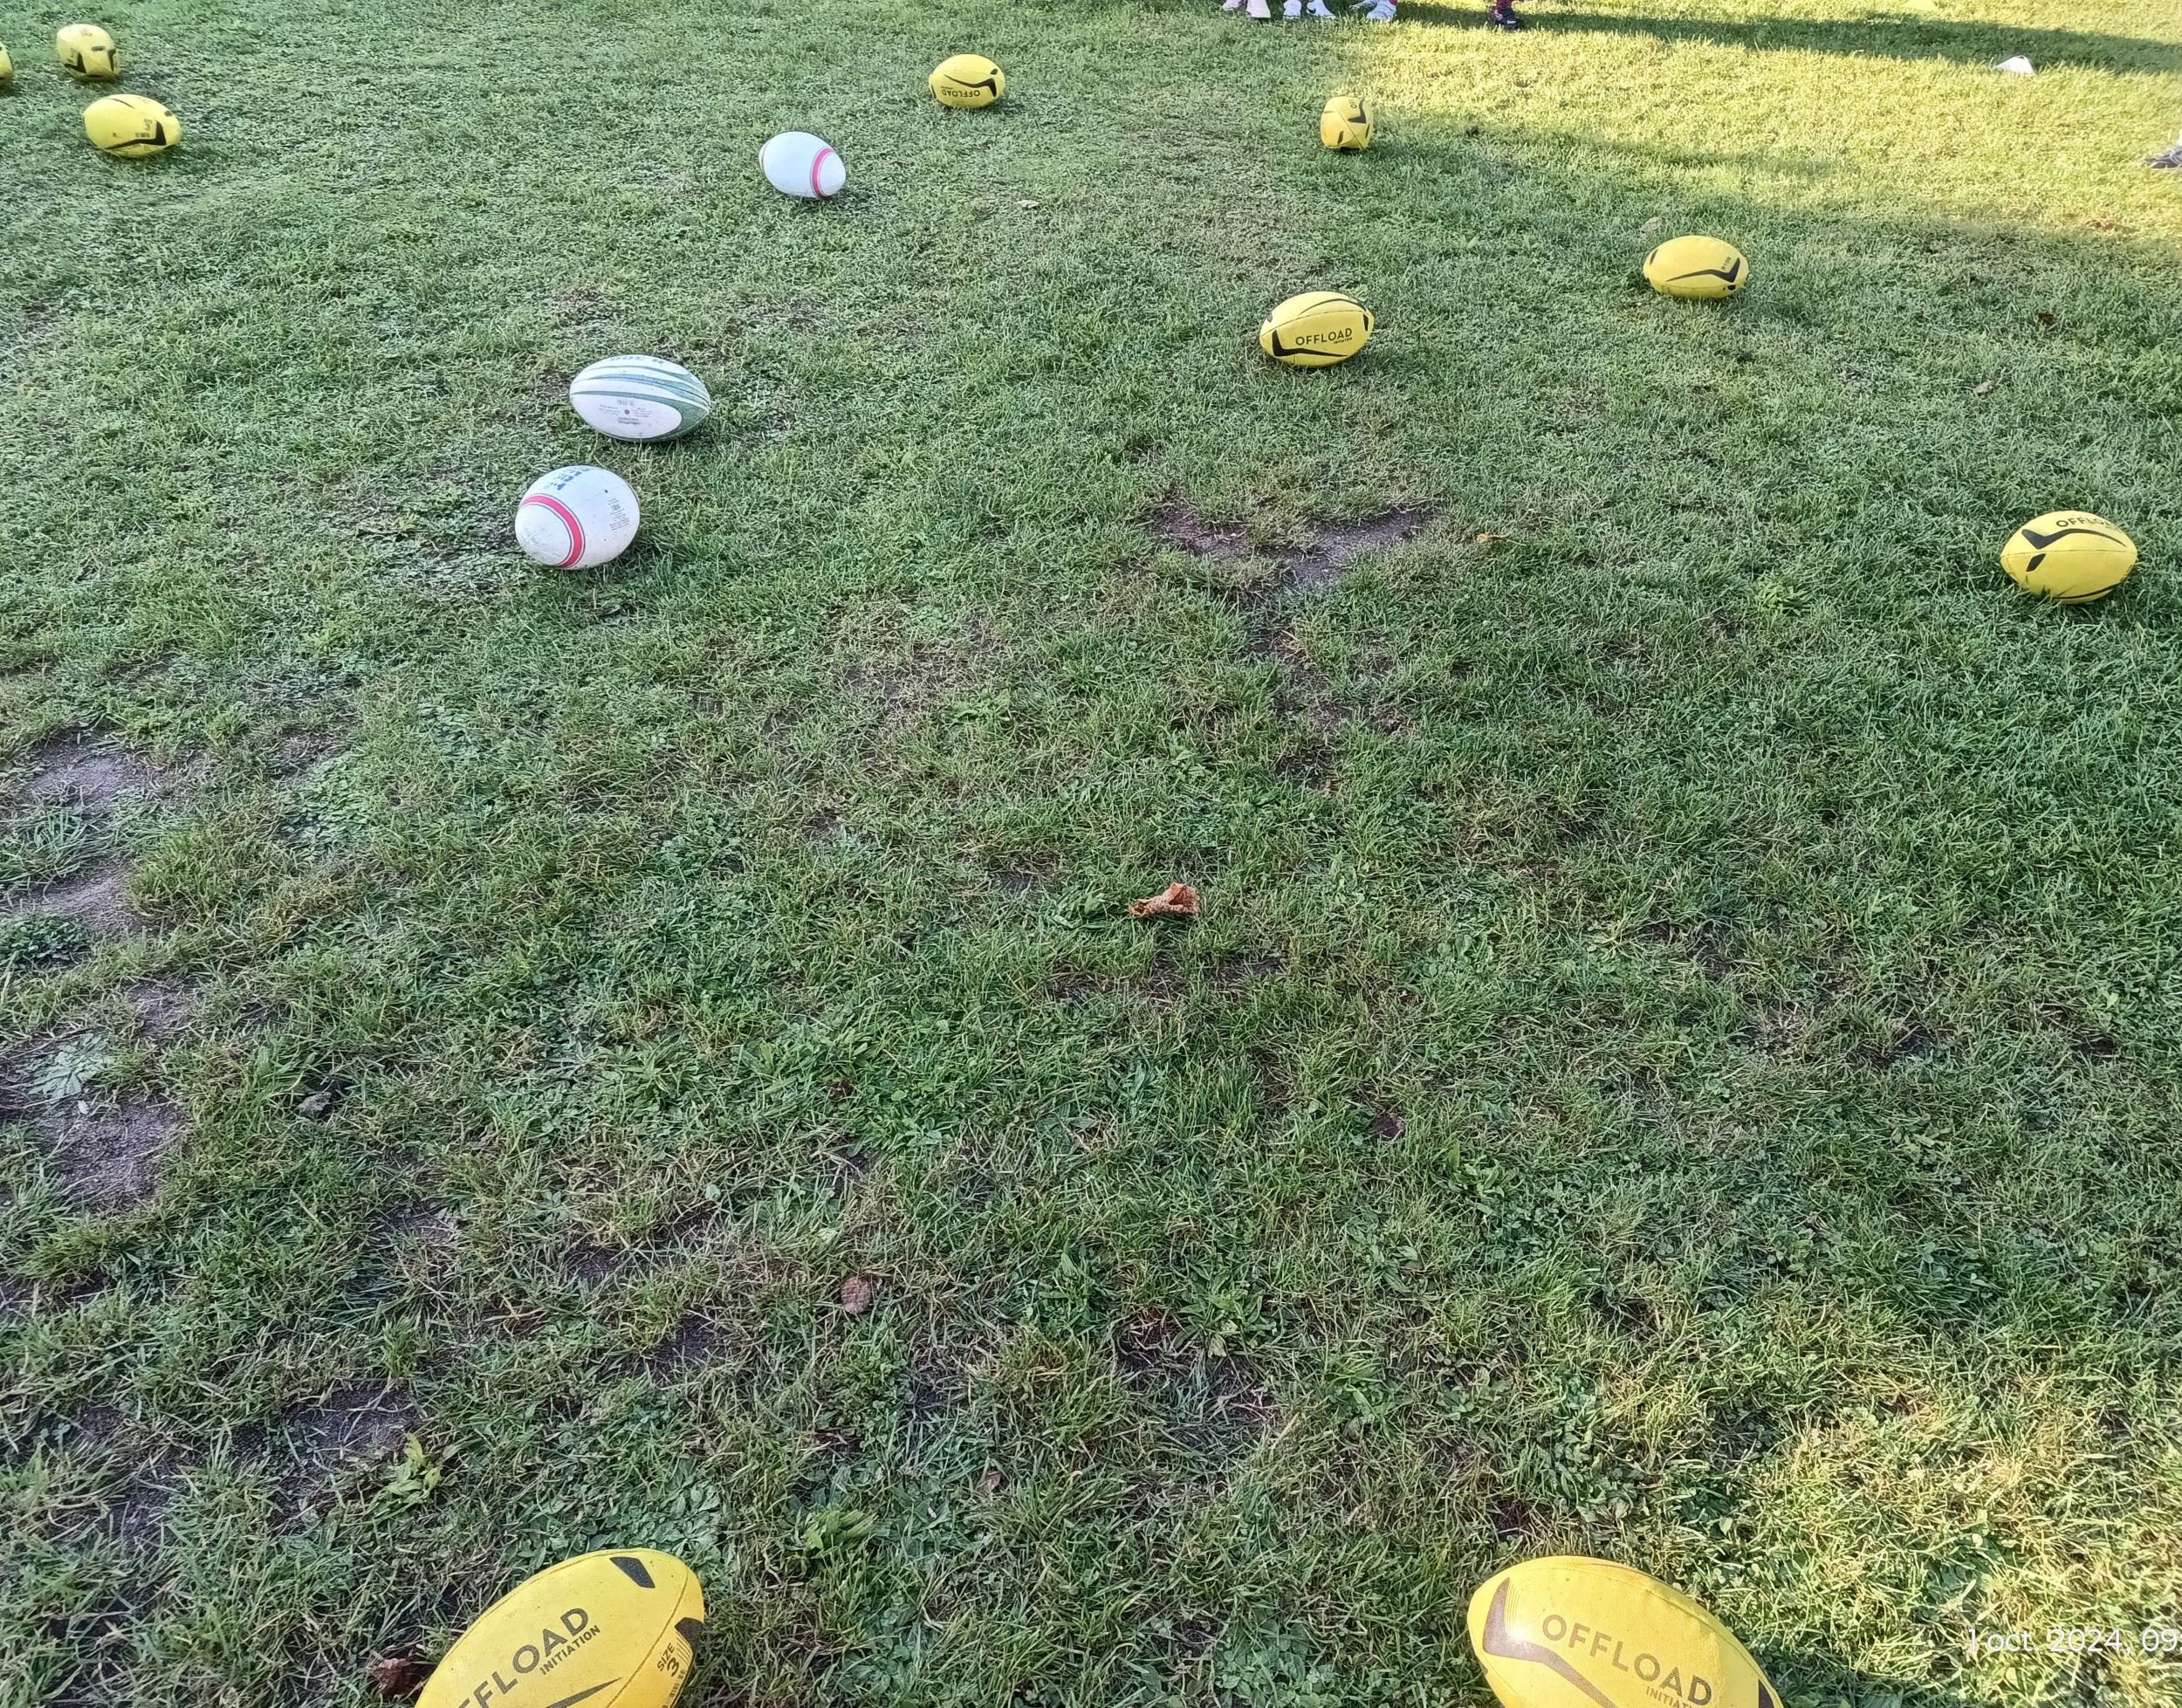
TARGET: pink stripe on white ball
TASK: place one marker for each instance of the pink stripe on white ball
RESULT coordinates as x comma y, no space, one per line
568,520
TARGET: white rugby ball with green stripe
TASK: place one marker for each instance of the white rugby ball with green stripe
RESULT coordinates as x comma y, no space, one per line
640,398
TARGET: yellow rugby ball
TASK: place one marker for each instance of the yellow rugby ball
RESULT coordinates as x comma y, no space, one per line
133,127
7,69
1574,1633
609,1630
88,51
968,79
1316,330
1345,123
1701,269
2071,555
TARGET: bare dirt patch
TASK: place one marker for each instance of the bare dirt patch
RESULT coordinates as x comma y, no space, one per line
161,1007
1301,571
95,897
1177,523
594,1264
694,1340
1308,568
111,1153
80,768
357,1422
1322,564
139,1510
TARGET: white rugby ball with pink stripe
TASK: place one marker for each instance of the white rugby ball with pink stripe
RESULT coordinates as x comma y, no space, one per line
575,518
798,163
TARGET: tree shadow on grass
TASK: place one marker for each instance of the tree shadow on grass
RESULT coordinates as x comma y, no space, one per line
1900,37
1821,1680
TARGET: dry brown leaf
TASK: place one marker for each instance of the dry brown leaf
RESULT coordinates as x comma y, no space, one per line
1984,386
1651,224
856,1295
398,1677
1487,539
1176,898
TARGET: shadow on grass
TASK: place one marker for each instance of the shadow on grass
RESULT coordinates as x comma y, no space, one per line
1901,36
1822,1681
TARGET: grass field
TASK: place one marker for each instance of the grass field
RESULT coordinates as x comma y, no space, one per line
1678,1060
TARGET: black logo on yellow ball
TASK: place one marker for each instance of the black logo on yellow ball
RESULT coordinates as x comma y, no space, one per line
553,1647
1661,1681
1728,275
2041,544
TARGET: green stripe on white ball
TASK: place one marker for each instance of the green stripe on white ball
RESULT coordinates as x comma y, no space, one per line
640,398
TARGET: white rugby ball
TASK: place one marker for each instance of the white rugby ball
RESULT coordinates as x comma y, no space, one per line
575,518
640,398
798,163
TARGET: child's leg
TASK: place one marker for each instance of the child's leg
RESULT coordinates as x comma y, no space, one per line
1502,17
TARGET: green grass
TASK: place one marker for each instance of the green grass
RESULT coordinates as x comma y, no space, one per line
1679,1061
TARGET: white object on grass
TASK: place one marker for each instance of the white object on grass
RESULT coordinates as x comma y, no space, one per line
2016,66
800,164
640,398
576,517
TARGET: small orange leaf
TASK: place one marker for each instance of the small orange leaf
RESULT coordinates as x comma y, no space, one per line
1176,898
856,1295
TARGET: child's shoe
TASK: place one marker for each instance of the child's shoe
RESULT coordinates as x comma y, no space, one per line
1502,17
1381,11
1259,9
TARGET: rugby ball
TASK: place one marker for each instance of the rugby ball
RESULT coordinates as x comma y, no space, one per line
7,69
131,126
800,164
640,398
88,51
576,517
1316,330
1345,123
609,1630
1697,269
2070,555
1574,1633
969,80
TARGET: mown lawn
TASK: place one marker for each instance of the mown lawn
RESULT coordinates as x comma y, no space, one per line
1678,1060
